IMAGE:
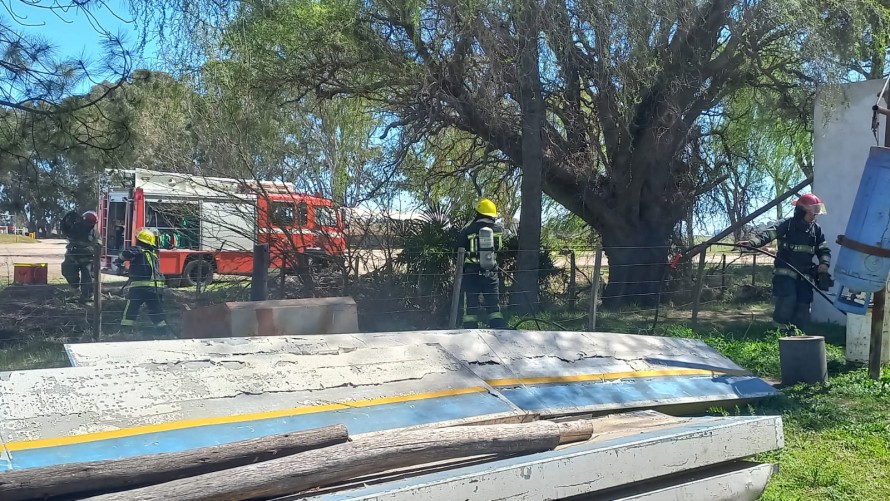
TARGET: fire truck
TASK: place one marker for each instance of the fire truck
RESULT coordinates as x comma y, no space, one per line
209,225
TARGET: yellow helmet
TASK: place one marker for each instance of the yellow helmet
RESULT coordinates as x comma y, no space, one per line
487,208
147,237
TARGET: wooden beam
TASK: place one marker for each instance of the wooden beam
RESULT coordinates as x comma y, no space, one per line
689,254
131,472
339,463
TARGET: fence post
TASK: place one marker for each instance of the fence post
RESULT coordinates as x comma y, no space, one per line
283,277
455,293
877,333
573,287
696,301
97,296
595,288
723,273
260,275
753,270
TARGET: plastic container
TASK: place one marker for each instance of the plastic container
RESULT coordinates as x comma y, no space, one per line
863,263
29,274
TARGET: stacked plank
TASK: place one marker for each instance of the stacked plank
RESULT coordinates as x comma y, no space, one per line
282,464
472,415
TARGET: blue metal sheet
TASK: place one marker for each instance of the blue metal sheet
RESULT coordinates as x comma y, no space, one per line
357,420
634,393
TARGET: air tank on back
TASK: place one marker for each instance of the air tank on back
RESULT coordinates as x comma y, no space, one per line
863,263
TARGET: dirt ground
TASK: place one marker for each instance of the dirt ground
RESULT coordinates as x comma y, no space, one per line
49,251
52,252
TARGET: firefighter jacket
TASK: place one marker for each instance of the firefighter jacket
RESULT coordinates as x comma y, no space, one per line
468,239
83,241
145,268
798,242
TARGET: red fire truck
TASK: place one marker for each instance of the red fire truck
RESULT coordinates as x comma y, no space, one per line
209,225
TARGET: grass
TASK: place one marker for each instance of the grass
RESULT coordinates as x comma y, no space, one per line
6,238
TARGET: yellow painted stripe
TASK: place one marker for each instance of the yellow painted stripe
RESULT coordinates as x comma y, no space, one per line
238,418
611,376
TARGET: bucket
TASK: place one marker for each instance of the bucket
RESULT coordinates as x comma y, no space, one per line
29,274
802,360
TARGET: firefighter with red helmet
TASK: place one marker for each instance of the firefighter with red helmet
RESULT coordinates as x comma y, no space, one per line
146,283
482,239
800,241
83,244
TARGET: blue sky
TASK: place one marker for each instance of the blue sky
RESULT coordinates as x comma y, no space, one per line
76,34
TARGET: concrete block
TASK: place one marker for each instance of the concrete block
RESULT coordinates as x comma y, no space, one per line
859,336
332,315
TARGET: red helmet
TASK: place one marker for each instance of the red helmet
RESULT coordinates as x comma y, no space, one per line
811,203
91,216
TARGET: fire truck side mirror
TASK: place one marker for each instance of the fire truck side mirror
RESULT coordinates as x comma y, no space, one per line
343,218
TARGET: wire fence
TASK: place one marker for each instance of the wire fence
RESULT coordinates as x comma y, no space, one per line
395,289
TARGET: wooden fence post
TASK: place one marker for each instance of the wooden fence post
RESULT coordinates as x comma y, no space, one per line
595,288
455,293
573,288
696,301
97,296
283,277
260,275
753,270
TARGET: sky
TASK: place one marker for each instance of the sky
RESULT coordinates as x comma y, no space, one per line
76,34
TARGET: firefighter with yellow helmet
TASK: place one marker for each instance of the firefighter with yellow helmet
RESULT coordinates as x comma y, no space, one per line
146,283
483,238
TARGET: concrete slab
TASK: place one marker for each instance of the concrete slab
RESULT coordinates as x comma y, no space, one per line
330,315
56,416
597,466
548,372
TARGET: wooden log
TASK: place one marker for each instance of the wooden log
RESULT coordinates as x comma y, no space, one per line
339,463
128,473
575,431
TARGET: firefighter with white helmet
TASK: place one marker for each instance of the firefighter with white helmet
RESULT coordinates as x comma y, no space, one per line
482,239
800,241
146,283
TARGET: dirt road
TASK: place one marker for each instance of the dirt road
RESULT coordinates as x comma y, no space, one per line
50,251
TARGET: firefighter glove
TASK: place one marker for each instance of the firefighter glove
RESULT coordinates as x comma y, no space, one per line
824,281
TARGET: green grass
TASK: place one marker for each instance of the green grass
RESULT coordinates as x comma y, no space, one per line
33,355
6,238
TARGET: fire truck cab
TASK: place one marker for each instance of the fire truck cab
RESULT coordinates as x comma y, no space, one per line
209,225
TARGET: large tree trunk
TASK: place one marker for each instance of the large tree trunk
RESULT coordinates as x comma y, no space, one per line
638,259
531,102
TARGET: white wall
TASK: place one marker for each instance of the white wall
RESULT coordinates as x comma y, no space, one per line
843,137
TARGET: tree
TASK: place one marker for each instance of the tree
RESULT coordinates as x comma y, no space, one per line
626,88
50,124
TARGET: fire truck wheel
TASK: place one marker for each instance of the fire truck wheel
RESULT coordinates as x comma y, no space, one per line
196,272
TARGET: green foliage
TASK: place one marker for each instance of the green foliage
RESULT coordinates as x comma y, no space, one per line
427,256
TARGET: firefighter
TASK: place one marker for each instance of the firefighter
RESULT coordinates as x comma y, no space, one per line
800,240
482,239
145,284
83,244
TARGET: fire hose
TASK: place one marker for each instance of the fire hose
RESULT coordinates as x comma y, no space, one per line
804,276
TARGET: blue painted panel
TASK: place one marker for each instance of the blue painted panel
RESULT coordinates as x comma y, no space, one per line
358,420
634,392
